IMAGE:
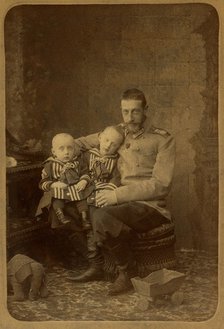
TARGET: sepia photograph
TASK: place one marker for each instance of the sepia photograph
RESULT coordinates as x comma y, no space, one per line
111,163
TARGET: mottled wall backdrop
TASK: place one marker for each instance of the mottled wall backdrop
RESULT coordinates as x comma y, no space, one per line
66,67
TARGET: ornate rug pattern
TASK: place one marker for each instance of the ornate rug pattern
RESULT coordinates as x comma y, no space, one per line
89,301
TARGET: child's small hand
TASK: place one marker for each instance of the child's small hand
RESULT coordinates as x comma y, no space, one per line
81,185
59,185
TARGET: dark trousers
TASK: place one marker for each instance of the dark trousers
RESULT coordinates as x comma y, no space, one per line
113,226
111,221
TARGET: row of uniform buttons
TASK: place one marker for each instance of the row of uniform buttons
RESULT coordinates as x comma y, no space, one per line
133,147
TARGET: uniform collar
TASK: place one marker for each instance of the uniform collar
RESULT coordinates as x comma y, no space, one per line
136,134
146,127
139,133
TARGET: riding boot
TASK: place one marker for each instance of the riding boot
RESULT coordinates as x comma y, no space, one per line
122,283
94,271
95,259
125,266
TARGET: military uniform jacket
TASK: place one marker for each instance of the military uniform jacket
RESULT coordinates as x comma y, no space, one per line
146,165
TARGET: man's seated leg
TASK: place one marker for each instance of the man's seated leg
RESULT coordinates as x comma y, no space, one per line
95,259
96,238
113,227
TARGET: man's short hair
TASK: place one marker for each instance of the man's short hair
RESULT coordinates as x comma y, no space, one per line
118,129
135,94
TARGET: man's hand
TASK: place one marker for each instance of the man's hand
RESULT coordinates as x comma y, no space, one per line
106,198
81,185
59,185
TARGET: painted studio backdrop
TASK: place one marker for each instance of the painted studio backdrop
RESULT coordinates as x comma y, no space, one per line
66,67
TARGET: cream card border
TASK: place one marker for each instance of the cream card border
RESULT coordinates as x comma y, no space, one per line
8,322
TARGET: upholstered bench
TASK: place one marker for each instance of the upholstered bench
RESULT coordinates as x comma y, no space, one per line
152,251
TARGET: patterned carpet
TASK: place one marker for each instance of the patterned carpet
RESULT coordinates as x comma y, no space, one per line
89,301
